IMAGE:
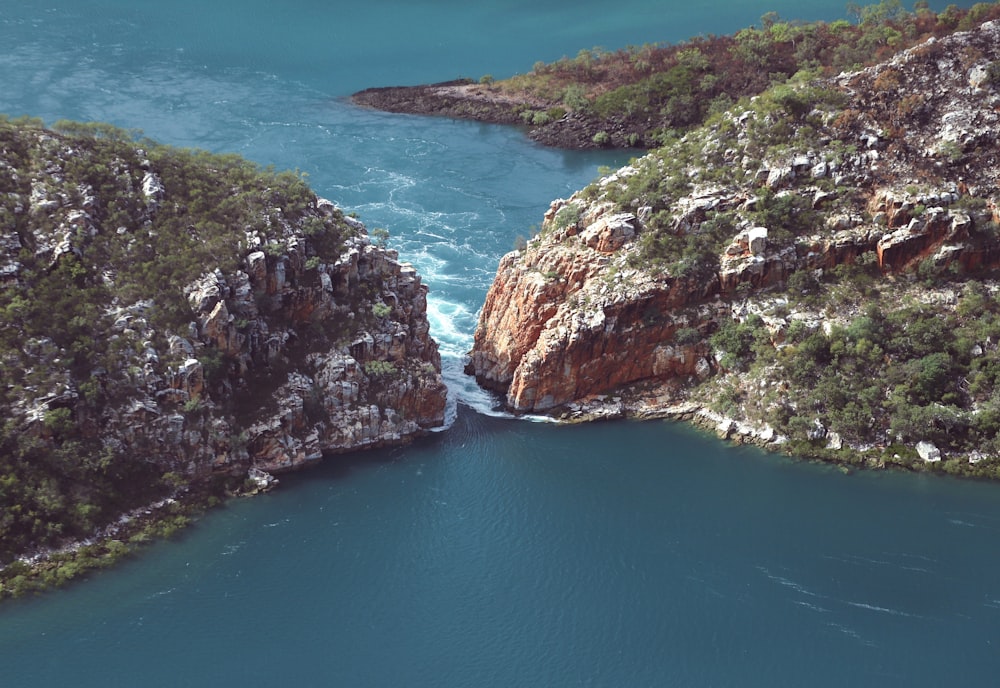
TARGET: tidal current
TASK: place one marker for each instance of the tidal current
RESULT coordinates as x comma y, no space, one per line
499,552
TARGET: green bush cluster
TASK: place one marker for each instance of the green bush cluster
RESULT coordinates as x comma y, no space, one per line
380,369
567,215
903,374
786,216
740,342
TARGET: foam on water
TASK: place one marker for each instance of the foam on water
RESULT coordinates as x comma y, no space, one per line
451,325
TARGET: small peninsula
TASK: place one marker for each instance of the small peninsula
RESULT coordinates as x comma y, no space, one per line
812,270
178,325
641,96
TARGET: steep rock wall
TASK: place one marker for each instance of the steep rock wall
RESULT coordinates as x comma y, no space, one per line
312,341
584,310
285,390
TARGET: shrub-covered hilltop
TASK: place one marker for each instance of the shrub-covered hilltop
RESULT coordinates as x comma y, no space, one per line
812,269
637,96
174,324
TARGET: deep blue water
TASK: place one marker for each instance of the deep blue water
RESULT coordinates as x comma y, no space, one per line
500,552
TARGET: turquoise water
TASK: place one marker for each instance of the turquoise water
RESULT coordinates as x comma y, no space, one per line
500,552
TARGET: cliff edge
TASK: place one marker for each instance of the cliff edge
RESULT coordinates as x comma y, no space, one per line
171,317
799,238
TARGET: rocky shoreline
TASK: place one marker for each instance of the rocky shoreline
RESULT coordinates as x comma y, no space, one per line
633,298
299,339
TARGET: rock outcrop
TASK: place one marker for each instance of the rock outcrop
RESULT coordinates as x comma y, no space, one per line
283,395
559,325
619,292
126,372
379,386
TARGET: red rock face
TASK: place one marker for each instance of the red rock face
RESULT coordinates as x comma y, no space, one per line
557,327
622,343
517,306
542,345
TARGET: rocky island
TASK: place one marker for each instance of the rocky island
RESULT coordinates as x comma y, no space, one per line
175,325
811,269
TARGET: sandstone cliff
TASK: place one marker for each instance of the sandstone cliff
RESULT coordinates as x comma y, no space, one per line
171,316
889,173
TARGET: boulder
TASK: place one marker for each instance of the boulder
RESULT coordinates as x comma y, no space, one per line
725,428
778,177
610,233
928,452
757,240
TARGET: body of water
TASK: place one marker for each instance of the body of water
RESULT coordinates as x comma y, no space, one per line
499,552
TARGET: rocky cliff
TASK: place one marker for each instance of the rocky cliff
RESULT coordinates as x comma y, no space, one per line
301,394
170,316
887,176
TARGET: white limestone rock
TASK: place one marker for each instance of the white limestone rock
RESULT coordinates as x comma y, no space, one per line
928,452
757,240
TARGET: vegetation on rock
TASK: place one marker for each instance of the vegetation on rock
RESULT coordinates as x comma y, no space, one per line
170,319
812,268
640,96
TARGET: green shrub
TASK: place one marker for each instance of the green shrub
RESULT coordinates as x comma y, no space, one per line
803,282
568,215
736,341
540,118
380,369
381,236
574,97
686,336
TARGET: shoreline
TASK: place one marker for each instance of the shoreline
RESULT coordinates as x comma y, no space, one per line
465,99
736,432
44,569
